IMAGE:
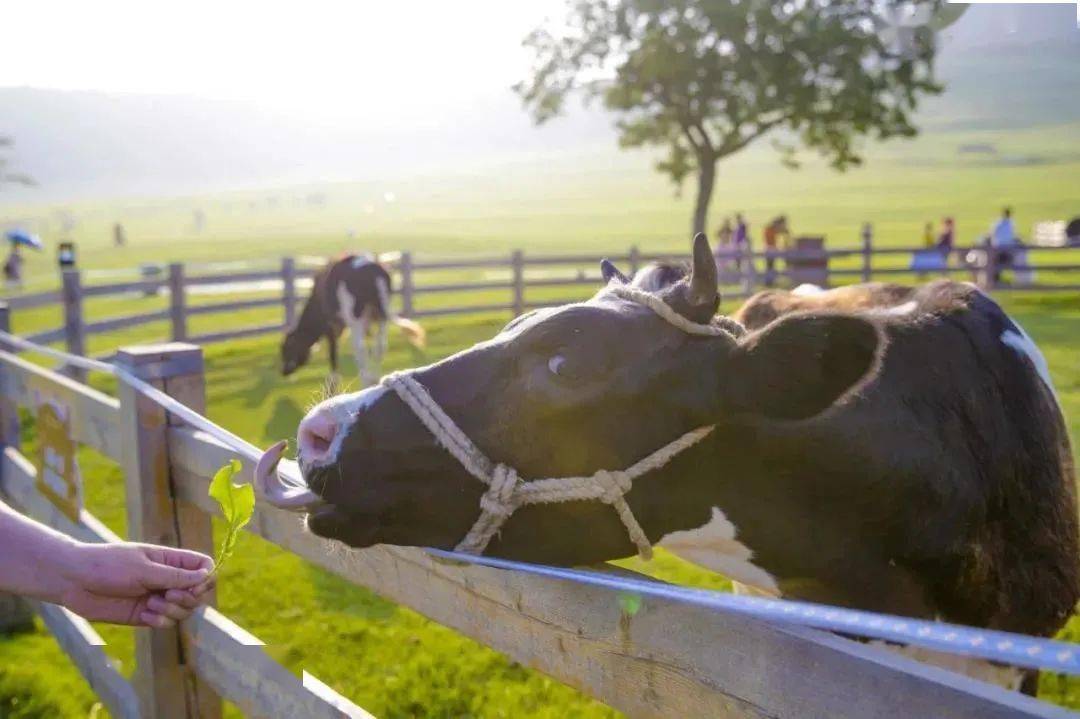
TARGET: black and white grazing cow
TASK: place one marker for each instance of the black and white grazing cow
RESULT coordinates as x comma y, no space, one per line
351,292
886,448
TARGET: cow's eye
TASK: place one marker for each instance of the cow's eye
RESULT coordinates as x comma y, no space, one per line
557,365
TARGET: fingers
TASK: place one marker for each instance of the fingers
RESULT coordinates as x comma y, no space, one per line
162,607
180,558
164,576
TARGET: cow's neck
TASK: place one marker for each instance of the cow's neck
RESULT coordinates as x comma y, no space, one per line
313,323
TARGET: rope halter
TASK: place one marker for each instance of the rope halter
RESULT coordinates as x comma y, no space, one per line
506,491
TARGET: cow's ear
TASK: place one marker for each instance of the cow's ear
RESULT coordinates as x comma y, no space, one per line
802,364
610,272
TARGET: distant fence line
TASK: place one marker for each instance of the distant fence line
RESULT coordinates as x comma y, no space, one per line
741,274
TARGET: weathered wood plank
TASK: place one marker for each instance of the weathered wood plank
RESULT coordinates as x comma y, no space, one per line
233,306
47,337
160,676
95,416
120,288
83,646
74,329
118,323
462,264
230,278
668,660
462,287
38,299
469,309
211,337
15,614
233,662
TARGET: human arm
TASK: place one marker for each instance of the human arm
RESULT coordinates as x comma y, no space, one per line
122,583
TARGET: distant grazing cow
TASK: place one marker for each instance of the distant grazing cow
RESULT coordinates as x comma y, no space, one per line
886,448
352,292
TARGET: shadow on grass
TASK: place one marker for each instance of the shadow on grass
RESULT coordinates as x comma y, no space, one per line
283,419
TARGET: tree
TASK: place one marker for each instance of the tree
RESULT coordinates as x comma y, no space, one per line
6,176
705,78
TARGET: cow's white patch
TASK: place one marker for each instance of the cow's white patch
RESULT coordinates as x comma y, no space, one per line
342,411
357,329
807,290
713,546
1019,340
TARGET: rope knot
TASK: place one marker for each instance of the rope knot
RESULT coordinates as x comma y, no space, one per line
614,485
499,499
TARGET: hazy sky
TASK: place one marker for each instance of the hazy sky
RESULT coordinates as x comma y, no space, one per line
337,58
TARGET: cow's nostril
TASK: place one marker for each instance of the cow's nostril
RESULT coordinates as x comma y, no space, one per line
315,435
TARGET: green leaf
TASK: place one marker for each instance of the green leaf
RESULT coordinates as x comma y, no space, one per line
237,503
630,604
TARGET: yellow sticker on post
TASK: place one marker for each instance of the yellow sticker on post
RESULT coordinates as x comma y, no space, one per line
58,477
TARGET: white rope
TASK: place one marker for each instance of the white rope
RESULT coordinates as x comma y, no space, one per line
722,327
507,491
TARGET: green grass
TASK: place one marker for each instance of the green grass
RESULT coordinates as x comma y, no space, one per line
387,658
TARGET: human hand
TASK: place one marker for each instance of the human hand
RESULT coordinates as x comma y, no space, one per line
137,584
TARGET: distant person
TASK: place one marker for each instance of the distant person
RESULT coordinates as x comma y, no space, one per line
119,239
725,244
946,241
13,267
928,235
1003,242
776,238
741,237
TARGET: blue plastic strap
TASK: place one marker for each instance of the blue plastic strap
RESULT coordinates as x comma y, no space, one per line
1006,647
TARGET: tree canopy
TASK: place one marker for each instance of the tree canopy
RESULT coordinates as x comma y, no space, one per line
705,78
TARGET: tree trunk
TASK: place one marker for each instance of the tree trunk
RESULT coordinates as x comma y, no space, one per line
706,178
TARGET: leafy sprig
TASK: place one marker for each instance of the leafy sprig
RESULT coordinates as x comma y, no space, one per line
237,503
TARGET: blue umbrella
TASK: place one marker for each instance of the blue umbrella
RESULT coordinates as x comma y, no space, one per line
22,237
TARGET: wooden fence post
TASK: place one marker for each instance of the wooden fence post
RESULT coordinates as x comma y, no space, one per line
167,688
748,271
73,320
867,252
406,284
990,280
517,264
288,291
15,614
635,260
177,302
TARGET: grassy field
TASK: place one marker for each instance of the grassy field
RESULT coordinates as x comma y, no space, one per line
386,658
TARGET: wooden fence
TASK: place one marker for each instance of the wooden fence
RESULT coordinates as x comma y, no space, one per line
517,279
667,660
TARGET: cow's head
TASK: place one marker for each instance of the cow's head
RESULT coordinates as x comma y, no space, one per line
566,392
295,351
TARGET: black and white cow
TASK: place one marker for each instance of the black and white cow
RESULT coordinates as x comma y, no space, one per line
886,448
352,292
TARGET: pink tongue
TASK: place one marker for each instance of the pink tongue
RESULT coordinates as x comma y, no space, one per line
283,486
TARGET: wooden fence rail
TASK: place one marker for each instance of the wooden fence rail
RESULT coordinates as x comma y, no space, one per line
742,273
